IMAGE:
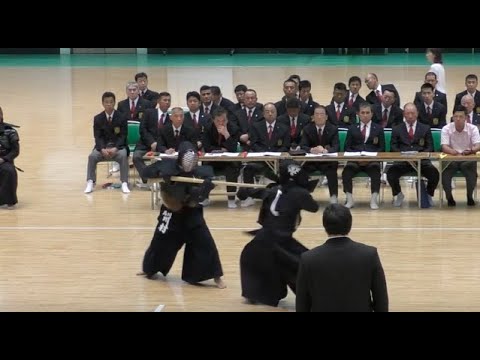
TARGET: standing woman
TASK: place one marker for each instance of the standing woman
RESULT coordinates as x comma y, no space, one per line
434,56
9,150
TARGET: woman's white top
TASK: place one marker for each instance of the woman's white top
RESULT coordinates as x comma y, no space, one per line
439,70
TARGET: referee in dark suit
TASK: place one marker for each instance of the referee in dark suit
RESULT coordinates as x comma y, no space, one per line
341,275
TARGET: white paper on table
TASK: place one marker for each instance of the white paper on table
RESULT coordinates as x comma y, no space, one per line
368,153
227,154
320,155
163,155
357,153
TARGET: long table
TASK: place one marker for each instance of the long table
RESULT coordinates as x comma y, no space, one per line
274,161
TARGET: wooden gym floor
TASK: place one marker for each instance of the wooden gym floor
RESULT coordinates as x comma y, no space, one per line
62,250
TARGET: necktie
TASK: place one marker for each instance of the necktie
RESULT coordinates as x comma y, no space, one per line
364,132
177,136
270,131
142,93
350,103
160,123
320,136
109,120
429,111
195,120
338,112
250,116
385,118
469,119
293,128
132,110
410,132
379,96
206,109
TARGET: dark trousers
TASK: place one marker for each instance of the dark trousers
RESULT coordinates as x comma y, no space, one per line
371,168
139,162
8,184
330,171
398,169
255,168
231,172
200,260
467,168
268,264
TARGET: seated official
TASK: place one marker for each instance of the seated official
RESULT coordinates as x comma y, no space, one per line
251,113
134,106
154,120
431,112
322,137
411,136
295,120
221,135
110,129
366,136
439,97
267,135
195,118
386,113
339,112
172,135
460,138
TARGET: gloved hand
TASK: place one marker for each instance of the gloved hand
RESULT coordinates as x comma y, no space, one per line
243,193
202,192
207,186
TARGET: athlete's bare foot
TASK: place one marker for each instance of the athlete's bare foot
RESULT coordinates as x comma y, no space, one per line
219,282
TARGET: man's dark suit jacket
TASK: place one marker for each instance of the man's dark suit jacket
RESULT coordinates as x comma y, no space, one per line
302,121
372,97
438,118
341,276
166,138
149,129
422,139
440,97
458,100
140,108
374,143
280,141
394,118
110,135
329,140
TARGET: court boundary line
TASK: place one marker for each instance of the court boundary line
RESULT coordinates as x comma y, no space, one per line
150,228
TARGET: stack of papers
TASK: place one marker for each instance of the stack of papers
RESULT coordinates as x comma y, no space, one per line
360,153
259,154
229,154
163,155
319,155
409,152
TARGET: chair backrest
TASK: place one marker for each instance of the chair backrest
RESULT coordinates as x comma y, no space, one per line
342,137
388,140
133,134
437,140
